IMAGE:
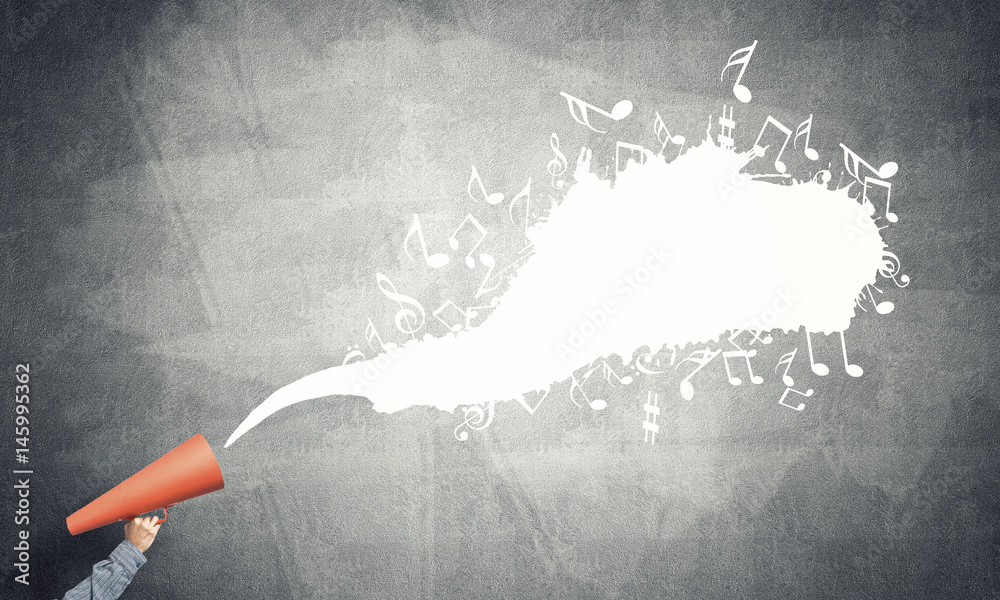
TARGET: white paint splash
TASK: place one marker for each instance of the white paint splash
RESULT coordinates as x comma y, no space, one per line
725,247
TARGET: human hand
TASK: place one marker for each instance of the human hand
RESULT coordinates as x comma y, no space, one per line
141,531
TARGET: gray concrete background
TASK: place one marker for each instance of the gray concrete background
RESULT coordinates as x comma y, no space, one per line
197,196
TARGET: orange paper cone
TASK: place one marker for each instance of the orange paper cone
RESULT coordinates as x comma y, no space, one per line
187,471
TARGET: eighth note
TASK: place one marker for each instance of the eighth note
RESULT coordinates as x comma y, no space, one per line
453,240
741,91
803,129
579,109
787,361
801,405
822,370
660,127
759,150
435,261
494,198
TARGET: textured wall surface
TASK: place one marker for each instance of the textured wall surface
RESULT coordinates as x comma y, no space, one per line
196,196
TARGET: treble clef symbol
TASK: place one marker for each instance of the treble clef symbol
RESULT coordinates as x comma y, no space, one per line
557,166
408,320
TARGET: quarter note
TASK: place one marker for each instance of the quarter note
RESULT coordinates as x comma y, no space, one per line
453,239
740,58
759,150
801,405
435,261
817,368
803,129
580,111
852,370
494,198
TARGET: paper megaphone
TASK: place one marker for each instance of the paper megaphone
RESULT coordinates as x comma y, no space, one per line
187,471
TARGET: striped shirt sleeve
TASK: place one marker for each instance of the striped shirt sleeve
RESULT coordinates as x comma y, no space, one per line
110,577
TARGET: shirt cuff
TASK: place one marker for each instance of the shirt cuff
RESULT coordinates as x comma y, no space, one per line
128,556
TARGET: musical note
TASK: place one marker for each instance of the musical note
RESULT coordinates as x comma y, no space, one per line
767,339
632,148
747,355
522,399
787,361
494,198
453,239
727,125
824,177
660,127
524,194
579,110
801,405
817,368
739,90
882,308
609,373
473,311
406,319
597,404
652,411
870,205
759,150
822,370
435,261
353,354
852,370
645,368
703,358
557,166
890,267
853,163
803,129
491,264
371,334
448,304
498,278
476,419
